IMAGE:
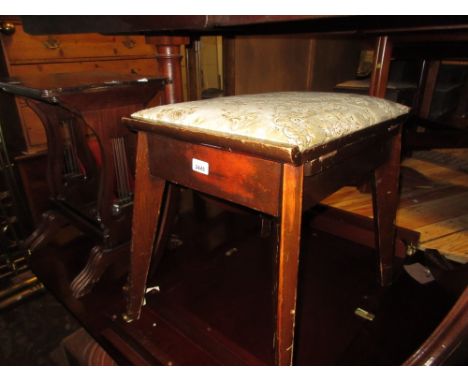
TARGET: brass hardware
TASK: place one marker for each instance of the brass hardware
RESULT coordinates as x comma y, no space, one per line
129,43
411,249
21,295
126,318
364,314
19,291
327,155
30,282
51,43
231,251
7,28
151,289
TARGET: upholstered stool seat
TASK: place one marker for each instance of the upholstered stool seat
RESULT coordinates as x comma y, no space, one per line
277,153
299,120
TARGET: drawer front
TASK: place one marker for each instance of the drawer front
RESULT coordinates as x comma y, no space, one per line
144,66
236,177
22,48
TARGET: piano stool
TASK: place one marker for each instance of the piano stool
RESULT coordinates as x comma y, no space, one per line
276,153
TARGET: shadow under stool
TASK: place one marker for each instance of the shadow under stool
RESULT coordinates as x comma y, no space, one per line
276,153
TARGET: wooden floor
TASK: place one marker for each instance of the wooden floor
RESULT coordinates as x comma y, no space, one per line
434,200
214,304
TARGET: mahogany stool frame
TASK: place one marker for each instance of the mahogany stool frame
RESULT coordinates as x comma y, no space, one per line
278,181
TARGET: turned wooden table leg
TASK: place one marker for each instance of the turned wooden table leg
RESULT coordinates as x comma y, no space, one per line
385,203
288,262
149,193
169,59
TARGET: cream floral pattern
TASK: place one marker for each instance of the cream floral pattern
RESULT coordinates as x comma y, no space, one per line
302,119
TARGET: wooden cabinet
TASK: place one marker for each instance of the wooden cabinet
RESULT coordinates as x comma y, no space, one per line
23,54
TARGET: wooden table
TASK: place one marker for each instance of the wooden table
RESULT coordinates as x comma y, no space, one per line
91,158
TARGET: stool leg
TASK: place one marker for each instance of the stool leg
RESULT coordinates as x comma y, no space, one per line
288,262
149,192
168,213
385,203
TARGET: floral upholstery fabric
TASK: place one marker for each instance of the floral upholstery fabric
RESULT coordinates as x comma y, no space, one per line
301,119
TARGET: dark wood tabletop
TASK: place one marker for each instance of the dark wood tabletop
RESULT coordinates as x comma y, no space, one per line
49,86
241,24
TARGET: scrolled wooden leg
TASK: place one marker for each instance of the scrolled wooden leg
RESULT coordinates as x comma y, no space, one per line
385,203
50,223
98,262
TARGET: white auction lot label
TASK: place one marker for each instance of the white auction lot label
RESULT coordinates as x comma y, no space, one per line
200,166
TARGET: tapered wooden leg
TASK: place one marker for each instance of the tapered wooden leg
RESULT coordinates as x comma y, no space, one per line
149,192
385,203
288,262
100,259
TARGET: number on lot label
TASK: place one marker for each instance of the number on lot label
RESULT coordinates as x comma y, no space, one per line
200,166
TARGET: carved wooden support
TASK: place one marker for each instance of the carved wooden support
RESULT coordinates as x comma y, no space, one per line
50,117
169,59
50,223
99,261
